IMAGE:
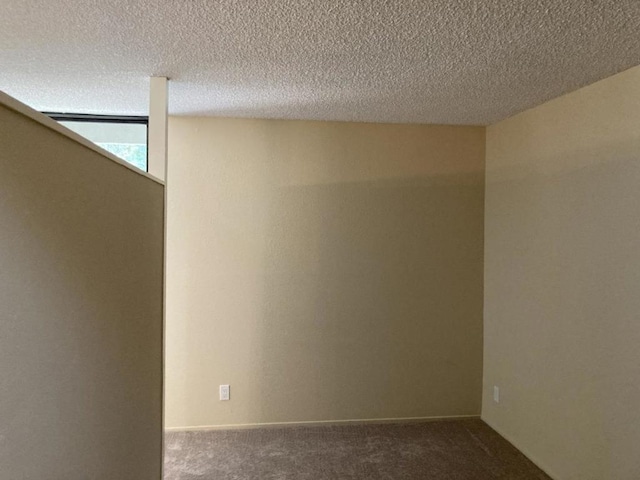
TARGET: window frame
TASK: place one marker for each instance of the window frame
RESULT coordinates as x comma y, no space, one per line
91,118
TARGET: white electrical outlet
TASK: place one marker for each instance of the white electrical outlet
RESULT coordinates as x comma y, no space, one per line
496,394
225,391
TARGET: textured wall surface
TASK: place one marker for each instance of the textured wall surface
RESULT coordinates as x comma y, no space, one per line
327,271
562,273
81,258
436,61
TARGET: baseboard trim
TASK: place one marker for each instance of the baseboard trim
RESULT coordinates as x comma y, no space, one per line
313,423
524,451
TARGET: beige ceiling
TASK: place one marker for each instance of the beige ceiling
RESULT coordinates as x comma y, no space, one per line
426,61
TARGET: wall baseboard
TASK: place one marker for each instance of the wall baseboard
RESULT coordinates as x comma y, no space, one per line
313,423
524,451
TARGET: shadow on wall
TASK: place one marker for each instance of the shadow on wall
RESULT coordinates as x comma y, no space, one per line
373,300
562,307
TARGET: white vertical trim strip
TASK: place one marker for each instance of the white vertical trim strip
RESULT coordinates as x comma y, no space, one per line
157,165
158,111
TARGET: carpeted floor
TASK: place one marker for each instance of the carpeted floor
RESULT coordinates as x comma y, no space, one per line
440,450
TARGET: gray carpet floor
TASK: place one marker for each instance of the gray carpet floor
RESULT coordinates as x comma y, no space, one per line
440,450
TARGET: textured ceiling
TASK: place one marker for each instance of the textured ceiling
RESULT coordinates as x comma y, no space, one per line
426,61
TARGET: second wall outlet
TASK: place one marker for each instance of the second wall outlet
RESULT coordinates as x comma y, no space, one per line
225,392
496,394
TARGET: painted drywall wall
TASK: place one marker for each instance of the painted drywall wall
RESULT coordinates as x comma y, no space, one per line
81,310
562,279
326,271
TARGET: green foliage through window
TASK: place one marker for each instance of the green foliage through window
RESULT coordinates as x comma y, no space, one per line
135,154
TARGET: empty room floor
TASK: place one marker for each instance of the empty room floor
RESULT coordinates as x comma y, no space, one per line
439,450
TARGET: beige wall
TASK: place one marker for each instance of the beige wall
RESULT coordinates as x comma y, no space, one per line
81,259
562,279
325,271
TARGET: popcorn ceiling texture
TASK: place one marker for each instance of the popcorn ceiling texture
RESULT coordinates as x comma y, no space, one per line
437,61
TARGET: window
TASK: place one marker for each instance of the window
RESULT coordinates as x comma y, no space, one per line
124,136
